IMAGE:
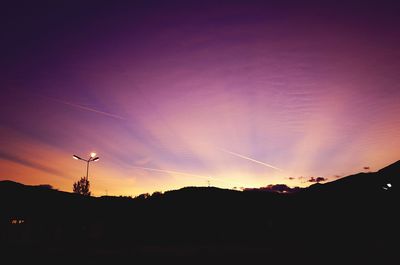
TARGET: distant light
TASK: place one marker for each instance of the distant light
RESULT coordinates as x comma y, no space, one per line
96,159
389,185
17,221
93,154
385,188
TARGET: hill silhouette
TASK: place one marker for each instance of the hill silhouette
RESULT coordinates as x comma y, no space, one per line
355,217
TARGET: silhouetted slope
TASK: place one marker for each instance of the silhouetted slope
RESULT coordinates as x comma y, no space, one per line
355,211
391,169
353,214
364,182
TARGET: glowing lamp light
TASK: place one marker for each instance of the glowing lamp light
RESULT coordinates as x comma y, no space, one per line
95,159
389,185
92,154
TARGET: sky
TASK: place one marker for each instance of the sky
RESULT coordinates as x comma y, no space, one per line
190,93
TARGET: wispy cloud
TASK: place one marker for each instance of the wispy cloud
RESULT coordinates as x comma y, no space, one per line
31,164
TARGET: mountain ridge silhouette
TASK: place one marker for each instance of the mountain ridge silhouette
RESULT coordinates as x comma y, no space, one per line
355,214
386,175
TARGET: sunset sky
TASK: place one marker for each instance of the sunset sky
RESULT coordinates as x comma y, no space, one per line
175,93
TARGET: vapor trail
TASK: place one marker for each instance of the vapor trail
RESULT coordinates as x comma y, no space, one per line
87,108
250,159
185,174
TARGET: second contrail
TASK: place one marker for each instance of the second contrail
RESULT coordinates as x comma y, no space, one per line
86,108
250,159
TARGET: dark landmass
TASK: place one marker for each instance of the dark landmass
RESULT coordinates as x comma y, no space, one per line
352,220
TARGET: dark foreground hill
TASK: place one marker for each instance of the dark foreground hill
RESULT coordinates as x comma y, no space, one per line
348,221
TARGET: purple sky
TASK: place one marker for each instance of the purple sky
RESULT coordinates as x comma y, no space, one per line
175,93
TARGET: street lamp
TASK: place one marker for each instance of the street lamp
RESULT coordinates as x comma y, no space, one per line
92,158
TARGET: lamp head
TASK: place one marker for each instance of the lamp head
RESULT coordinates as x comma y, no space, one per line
76,157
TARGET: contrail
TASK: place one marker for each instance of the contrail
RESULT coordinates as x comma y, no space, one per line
87,108
185,174
250,159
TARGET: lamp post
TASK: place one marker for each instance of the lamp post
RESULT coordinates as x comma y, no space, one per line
92,158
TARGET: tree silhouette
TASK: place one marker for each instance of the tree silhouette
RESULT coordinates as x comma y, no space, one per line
82,187
157,194
143,196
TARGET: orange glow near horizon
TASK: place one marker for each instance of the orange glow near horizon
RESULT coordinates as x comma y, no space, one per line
241,95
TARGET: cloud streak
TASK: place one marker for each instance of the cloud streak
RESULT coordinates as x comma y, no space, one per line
31,164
